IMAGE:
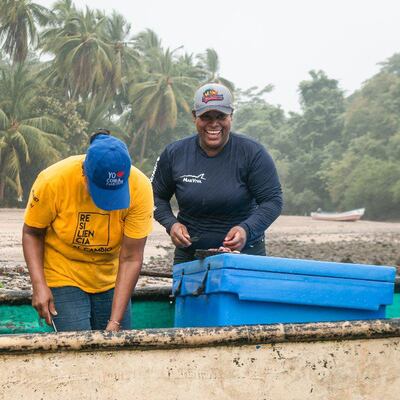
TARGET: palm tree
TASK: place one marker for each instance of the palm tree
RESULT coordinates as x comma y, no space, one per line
24,137
125,56
125,61
83,57
18,19
186,66
209,62
93,58
63,10
156,100
148,44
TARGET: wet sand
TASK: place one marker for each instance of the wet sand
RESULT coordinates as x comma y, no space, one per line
290,236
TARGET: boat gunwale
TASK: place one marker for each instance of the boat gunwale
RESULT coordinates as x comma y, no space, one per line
21,297
176,338
24,297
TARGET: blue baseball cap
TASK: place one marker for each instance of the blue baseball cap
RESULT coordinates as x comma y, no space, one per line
107,167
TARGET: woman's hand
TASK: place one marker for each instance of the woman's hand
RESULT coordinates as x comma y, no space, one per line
236,238
180,235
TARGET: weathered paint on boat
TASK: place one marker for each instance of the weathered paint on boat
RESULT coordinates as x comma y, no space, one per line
393,310
336,361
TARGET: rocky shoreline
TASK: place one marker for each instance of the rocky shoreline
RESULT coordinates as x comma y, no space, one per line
381,251
364,242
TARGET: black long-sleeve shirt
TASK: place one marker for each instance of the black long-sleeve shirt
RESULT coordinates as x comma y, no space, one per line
238,186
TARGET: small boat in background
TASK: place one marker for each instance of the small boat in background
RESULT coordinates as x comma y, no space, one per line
353,215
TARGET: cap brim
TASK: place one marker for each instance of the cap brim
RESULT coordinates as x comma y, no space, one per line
110,200
223,109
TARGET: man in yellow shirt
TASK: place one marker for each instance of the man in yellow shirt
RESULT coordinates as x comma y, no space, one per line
85,228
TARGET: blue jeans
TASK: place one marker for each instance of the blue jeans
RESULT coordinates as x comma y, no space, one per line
81,311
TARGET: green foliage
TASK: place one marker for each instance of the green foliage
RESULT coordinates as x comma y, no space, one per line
27,139
368,173
360,179
374,109
18,26
323,107
313,141
262,121
300,203
158,97
74,127
209,64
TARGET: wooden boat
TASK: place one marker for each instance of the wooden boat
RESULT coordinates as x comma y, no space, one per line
340,360
336,361
353,215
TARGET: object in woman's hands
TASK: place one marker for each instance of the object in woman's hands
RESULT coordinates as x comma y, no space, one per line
200,254
223,249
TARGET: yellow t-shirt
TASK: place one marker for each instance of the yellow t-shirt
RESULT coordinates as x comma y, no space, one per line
82,241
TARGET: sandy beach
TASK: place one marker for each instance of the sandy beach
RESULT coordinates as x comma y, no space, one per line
290,236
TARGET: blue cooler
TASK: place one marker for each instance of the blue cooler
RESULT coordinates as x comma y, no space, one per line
237,289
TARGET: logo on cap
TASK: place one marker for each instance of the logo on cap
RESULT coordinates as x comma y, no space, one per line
211,95
114,178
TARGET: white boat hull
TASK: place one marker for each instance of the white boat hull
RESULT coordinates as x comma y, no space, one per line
353,215
362,369
335,361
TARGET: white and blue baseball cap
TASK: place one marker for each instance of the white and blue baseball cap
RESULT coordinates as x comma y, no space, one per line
107,167
213,96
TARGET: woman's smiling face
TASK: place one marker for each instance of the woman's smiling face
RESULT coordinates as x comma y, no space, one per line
213,128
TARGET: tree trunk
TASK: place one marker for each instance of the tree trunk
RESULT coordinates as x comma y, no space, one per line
135,138
134,142
143,148
2,188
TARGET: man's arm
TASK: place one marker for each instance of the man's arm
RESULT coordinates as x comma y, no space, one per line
130,264
33,247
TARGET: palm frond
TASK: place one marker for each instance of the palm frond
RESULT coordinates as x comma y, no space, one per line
4,121
19,145
46,124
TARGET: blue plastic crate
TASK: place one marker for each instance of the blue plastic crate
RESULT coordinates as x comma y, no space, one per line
237,289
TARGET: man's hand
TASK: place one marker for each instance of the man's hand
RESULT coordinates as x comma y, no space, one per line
130,264
113,326
33,246
42,301
180,235
236,238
